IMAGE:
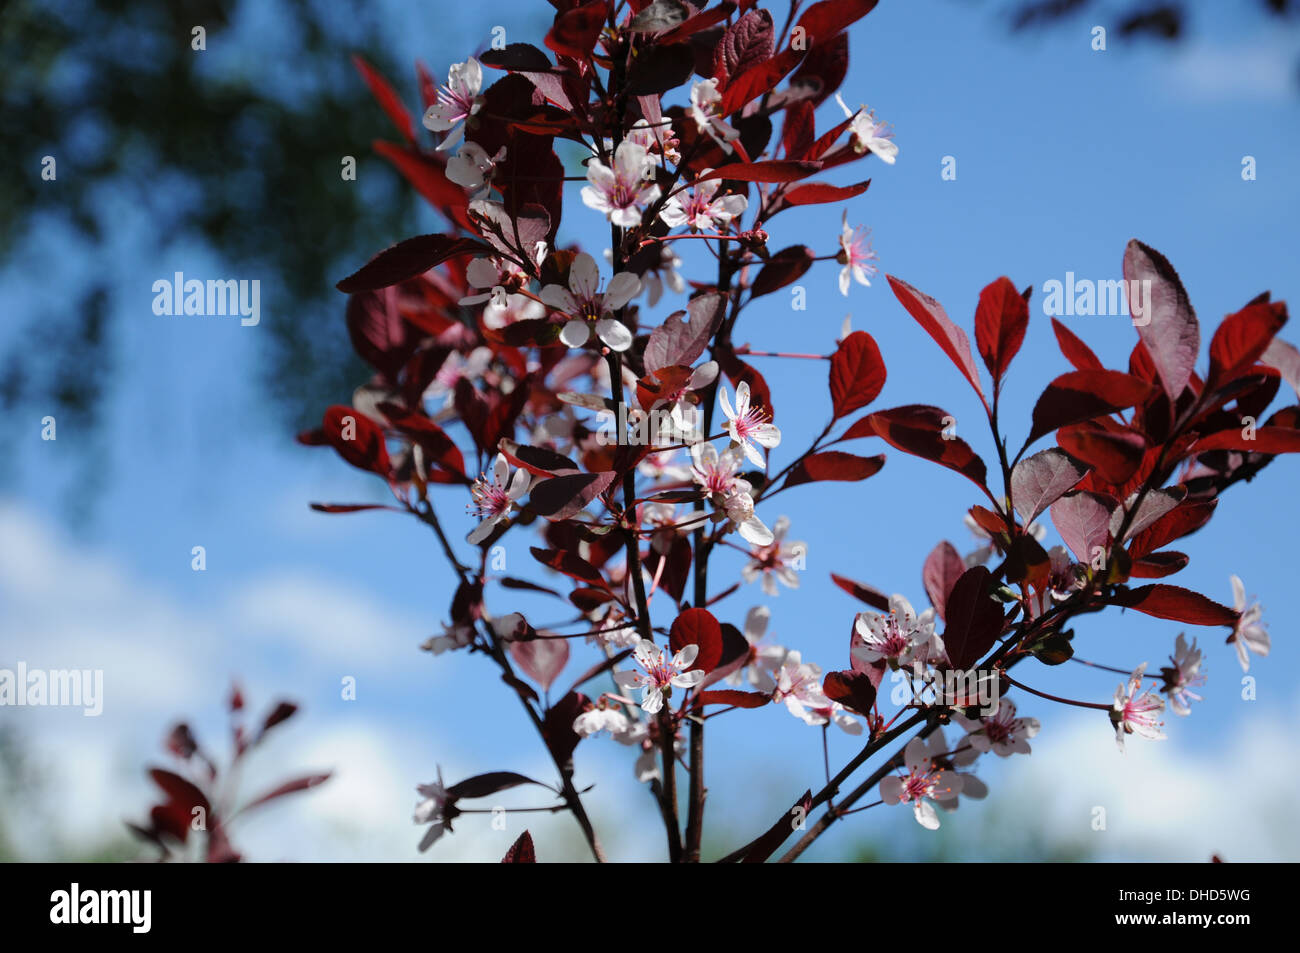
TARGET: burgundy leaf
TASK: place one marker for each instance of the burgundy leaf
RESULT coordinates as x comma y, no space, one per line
834,465
1174,602
857,373
943,567
542,659
1000,323
771,170
407,259
930,315
973,619
1039,481
681,342
1083,520
563,497
521,851
1082,395
698,627
868,594
1168,328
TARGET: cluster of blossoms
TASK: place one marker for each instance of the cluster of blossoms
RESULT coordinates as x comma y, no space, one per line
604,405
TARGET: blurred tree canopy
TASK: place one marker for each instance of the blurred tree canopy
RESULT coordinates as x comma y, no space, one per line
237,148
1165,20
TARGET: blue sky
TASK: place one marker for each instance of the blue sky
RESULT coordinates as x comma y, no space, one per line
1062,153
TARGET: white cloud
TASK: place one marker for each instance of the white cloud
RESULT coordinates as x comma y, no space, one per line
1215,73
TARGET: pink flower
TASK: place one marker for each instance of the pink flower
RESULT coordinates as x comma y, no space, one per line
433,810
897,637
472,167
453,637
868,134
457,101
776,561
718,474
601,718
657,140
855,255
494,498
1137,714
585,305
799,688
665,274
1002,732
705,101
660,675
1249,634
760,661
749,425
700,210
623,191
1182,676
922,783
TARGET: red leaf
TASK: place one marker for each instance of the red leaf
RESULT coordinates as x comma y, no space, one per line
1184,519
1039,481
1261,440
1158,565
481,785
289,787
759,78
1175,602
1077,396
1083,520
698,627
931,316
746,43
823,69
1115,455
785,267
563,497
857,373
732,697
357,438
816,193
409,258
521,851
851,689
1075,351
868,594
823,20
682,341
834,465
575,31
1000,323
798,132
542,659
427,176
183,794
770,170
921,430
1242,339
974,619
1168,327
386,97
943,567
570,565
